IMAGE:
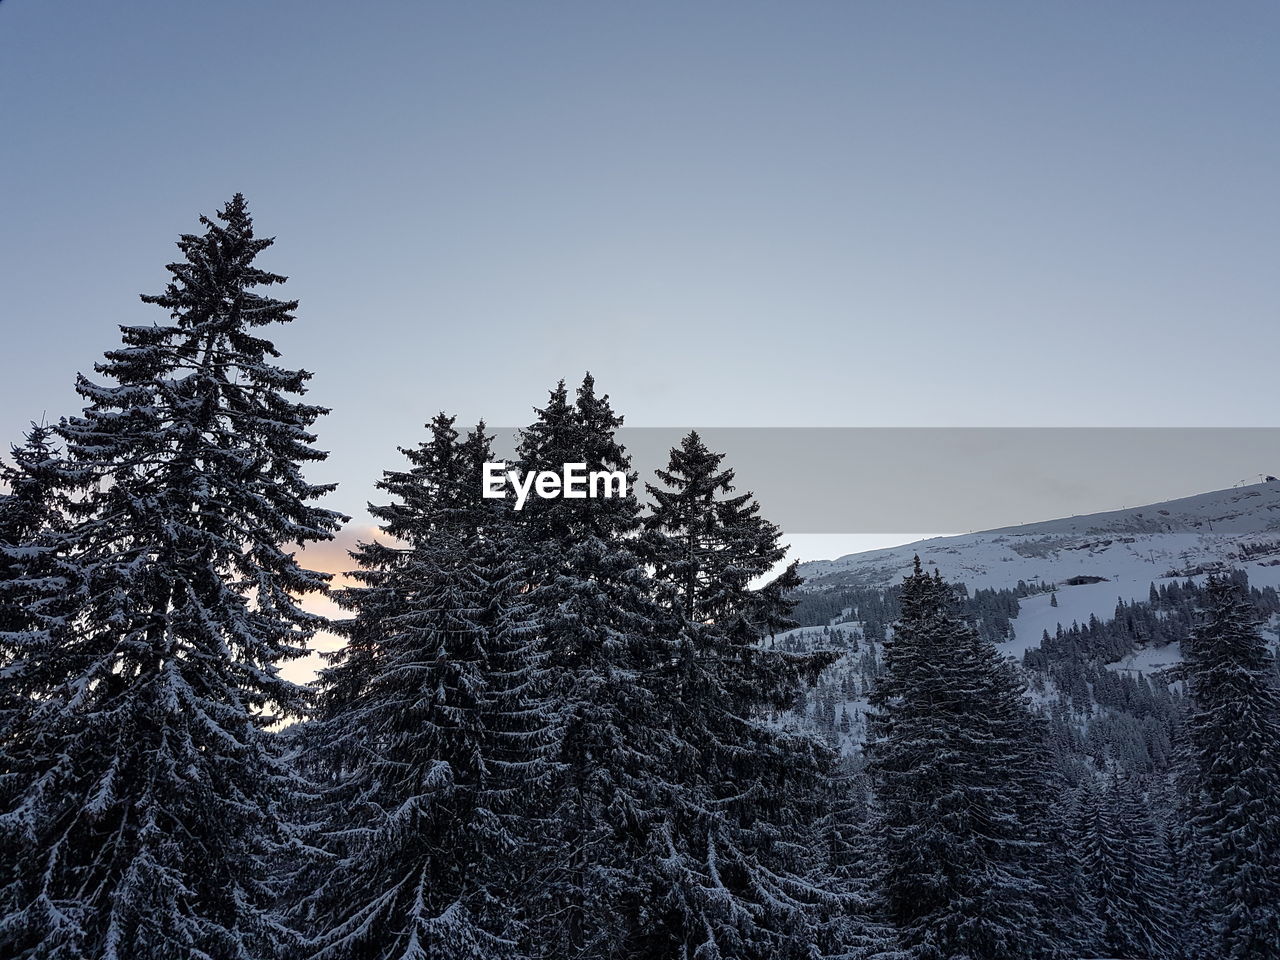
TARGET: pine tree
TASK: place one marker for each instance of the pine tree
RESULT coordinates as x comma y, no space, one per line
34,588
843,854
646,856
707,546
1234,743
1069,907
1191,931
953,754
1127,875
426,740
596,626
29,514
150,825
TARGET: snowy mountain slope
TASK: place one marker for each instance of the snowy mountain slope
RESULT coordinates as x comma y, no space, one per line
1094,560
1176,533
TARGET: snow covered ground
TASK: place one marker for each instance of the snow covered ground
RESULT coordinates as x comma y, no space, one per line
1109,556
1142,541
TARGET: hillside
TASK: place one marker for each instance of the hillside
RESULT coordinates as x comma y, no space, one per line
1093,560
1148,541
1072,575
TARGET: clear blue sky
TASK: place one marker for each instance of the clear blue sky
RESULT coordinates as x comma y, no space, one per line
733,213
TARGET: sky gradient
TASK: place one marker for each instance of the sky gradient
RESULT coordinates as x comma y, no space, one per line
746,214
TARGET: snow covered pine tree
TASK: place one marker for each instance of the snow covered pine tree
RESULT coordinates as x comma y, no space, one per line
596,625
952,749
428,740
740,879
28,514
1126,873
150,820
1234,734
32,595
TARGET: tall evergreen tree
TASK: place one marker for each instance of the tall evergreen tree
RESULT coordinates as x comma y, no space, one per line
151,820
952,754
708,546
1126,867
843,859
1234,740
736,847
33,592
1068,907
1191,931
430,735
30,512
596,626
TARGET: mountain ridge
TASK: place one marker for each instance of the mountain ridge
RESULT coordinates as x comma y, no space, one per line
1239,526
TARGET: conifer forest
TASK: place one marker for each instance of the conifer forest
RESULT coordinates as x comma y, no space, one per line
615,728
